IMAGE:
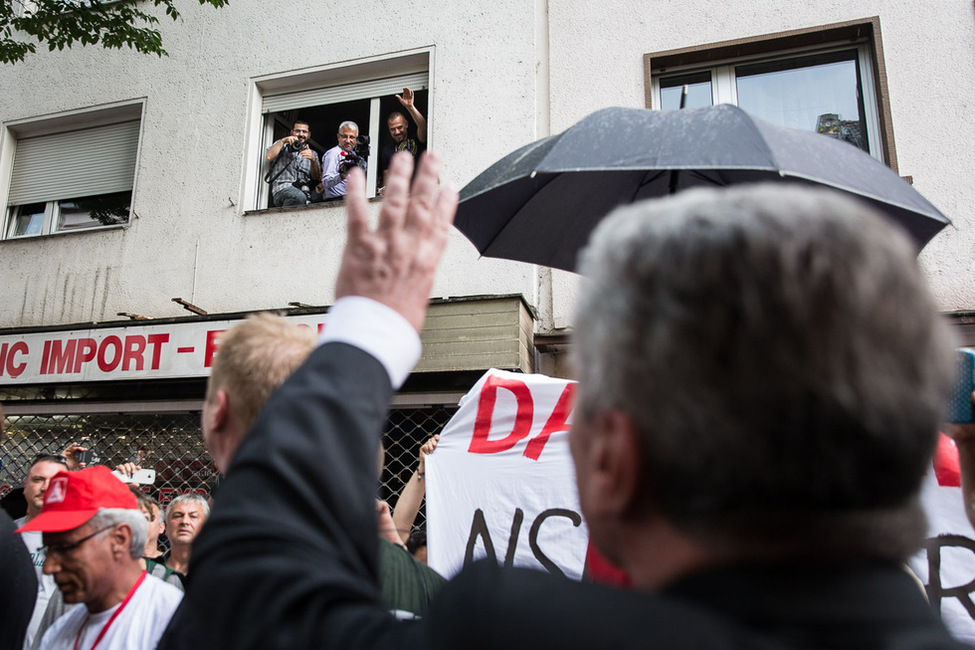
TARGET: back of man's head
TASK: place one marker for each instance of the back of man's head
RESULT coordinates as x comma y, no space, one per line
782,360
254,359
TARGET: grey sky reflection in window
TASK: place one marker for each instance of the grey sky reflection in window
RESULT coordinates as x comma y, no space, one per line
819,93
698,91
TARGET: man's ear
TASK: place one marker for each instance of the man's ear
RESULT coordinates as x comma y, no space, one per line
616,464
217,414
121,537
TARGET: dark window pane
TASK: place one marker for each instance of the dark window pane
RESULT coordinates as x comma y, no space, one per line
815,93
94,211
698,91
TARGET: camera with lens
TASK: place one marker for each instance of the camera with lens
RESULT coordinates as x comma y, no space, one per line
357,157
297,146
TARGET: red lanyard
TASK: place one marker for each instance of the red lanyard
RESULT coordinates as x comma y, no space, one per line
111,620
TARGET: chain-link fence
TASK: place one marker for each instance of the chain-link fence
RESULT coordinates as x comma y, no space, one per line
172,444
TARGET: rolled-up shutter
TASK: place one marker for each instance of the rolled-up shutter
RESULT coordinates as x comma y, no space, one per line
344,93
74,164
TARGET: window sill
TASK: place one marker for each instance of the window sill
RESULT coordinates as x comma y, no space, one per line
80,231
325,205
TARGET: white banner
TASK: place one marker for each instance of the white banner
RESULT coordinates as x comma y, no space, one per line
947,564
109,353
501,483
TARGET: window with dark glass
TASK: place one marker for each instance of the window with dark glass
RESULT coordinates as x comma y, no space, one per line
362,93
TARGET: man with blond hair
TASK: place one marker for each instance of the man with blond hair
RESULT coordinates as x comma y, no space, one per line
254,358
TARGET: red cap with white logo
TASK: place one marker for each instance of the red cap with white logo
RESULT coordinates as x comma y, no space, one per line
72,498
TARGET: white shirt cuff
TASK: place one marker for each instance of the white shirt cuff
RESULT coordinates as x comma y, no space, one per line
377,330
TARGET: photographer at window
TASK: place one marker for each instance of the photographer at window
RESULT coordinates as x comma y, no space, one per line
350,152
294,168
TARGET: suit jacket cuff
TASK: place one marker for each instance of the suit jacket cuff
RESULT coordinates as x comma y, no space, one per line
377,330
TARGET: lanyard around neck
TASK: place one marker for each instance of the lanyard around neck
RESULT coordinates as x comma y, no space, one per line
111,620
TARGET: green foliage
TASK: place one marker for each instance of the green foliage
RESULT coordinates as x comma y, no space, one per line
61,23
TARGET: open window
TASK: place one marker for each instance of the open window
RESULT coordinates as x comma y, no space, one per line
364,93
829,79
73,172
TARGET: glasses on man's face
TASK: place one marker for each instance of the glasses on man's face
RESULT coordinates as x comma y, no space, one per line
63,549
52,458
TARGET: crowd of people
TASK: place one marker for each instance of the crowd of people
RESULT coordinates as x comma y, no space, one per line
762,374
89,537
255,358
298,177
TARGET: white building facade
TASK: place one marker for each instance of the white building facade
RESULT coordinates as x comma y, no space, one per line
129,181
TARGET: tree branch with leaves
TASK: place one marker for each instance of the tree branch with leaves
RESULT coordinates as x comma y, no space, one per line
61,23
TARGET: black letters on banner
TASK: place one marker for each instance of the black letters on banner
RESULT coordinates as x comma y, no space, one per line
576,519
479,528
937,591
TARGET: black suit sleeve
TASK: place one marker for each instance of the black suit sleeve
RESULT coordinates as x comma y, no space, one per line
19,580
289,556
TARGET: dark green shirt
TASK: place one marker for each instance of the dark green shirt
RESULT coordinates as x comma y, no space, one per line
407,584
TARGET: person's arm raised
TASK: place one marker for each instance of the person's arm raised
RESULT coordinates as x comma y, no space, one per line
395,263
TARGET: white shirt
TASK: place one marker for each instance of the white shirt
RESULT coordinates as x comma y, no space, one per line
377,329
332,181
138,627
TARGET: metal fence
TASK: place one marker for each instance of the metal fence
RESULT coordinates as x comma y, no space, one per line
172,444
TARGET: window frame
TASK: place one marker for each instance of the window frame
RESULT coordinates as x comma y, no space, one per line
65,122
328,82
722,58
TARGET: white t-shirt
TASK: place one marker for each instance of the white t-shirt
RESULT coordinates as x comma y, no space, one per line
45,584
137,627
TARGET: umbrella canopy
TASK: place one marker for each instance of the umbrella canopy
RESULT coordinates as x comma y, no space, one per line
540,203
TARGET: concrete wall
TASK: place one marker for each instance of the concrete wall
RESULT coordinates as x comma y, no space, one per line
188,238
504,73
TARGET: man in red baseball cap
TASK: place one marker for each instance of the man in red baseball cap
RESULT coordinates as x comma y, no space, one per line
94,534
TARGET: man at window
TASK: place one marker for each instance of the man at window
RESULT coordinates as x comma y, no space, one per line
399,127
337,162
292,161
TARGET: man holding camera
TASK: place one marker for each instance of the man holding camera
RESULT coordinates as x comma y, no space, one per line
338,161
294,165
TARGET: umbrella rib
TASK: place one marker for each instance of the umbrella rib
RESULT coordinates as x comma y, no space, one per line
649,179
699,174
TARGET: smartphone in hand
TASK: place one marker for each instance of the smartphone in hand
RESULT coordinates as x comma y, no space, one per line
960,409
89,457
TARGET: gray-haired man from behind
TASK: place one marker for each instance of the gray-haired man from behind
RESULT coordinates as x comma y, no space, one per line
762,372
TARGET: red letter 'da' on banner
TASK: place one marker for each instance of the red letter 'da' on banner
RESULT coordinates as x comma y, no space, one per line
485,414
556,422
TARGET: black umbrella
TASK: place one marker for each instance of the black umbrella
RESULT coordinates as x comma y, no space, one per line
540,203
